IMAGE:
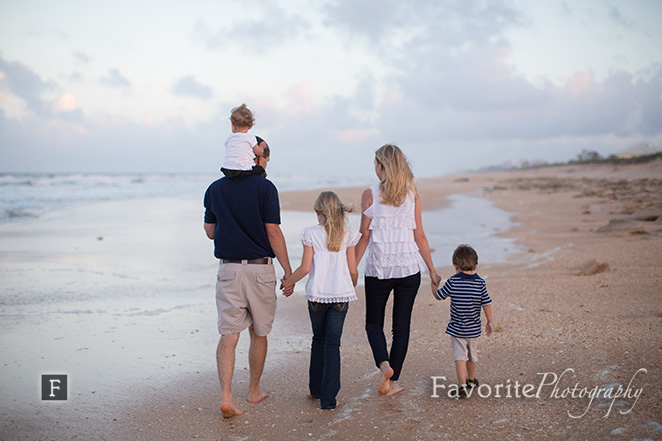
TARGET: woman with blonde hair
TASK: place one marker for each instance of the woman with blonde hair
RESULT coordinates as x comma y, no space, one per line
398,250
328,254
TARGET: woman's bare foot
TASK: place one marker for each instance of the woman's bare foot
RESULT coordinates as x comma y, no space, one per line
308,395
394,388
258,397
229,410
337,406
385,385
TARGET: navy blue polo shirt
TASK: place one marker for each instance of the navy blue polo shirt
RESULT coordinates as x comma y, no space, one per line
240,207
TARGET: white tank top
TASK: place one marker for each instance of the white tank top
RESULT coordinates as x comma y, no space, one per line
392,251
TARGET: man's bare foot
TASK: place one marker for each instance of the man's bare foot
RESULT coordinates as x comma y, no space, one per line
394,388
385,385
312,397
229,410
257,398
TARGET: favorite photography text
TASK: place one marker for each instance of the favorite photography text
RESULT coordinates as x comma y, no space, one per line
552,385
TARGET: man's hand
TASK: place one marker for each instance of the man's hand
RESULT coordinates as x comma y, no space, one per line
287,288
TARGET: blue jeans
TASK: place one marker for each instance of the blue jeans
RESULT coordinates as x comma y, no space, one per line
327,320
377,292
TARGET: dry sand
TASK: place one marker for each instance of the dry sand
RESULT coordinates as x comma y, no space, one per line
585,295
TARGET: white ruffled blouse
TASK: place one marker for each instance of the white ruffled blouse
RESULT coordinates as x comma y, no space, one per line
329,280
392,251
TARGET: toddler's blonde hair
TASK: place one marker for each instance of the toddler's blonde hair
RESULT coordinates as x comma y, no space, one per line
242,117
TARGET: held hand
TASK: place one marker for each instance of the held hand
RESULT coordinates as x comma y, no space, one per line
488,329
434,288
435,278
287,288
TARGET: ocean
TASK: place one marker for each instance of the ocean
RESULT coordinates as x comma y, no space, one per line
30,195
469,219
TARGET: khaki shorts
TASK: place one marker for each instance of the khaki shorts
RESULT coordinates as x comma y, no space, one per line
245,296
464,349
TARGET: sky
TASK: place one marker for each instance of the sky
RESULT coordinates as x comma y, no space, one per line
148,86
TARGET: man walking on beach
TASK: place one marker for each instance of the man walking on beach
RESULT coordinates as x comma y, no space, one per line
242,217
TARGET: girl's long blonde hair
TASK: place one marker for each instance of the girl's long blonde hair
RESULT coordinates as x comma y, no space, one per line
399,179
333,217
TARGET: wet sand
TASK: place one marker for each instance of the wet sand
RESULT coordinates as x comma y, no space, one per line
584,294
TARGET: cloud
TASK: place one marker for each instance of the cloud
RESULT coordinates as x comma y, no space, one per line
396,25
452,80
76,77
115,80
270,27
435,79
107,144
478,79
189,86
620,105
47,34
300,98
66,102
21,81
81,57
620,19
365,17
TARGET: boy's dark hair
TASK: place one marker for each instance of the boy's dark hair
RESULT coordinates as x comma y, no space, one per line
465,258
242,117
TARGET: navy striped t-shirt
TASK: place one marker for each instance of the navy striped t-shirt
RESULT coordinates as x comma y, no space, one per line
468,293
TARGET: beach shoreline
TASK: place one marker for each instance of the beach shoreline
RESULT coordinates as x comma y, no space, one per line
583,294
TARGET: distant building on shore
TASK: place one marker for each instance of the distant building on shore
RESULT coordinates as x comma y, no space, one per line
538,163
525,163
641,149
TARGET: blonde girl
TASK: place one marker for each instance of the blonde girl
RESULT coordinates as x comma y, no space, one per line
329,257
398,250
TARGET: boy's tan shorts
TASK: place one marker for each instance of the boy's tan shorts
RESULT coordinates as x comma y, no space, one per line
245,296
464,349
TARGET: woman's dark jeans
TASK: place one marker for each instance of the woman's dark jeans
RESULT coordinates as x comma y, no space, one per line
377,293
327,320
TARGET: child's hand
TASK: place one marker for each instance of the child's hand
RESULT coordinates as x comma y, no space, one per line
287,288
488,329
433,289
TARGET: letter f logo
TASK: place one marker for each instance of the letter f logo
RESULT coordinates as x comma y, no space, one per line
53,387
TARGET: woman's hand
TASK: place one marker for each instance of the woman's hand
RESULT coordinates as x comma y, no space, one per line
434,289
435,279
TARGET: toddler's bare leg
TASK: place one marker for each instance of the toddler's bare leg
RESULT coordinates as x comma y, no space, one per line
461,370
471,370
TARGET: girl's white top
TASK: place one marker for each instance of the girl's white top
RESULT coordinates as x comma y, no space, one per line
239,153
329,280
392,251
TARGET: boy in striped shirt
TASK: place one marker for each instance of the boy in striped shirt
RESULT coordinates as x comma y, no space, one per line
468,293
